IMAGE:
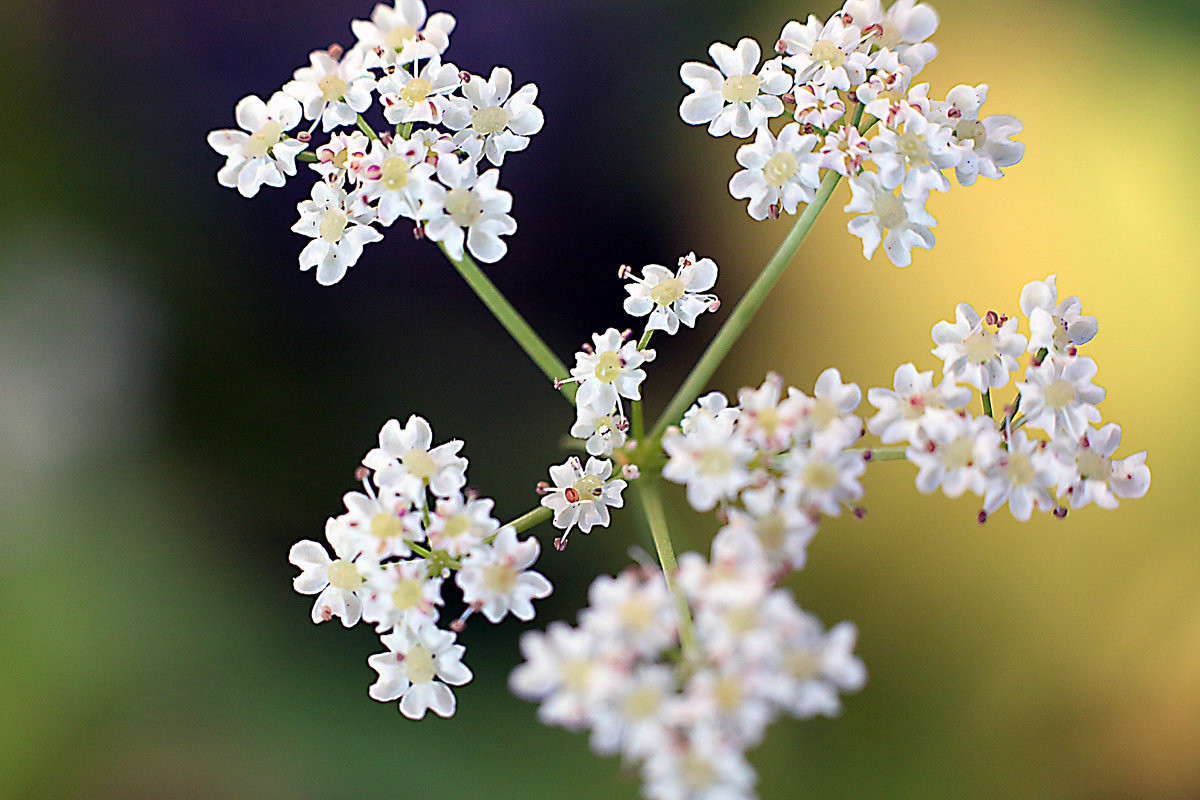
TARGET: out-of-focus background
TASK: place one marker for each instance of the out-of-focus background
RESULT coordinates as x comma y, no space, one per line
178,404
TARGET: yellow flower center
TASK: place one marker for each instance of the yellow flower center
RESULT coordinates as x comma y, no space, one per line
1093,466
740,88
820,475
263,139
407,594
333,225
418,462
980,346
385,526
492,119
715,461
1059,394
667,291
395,173
499,578
608,368
415,91
332,87
779,169
913,148
344,575
588,488
399,35
889,209
1020,469
463,206
959,453
420,665
828,54
973,130
771,529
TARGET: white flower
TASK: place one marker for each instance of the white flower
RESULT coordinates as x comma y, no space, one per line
669,298
779,174
334,92
902,409
608,371
341,158
973,353
401,34
469,208
581,497
701,765
886,94
819,106
1054,328
459,525
823,480
1022,476
713,404
397,175
911,153
986,143
562,669
603,432
259,153
825,54
828,415
634,609
417,668
1088,473
710,460
421,97
733,100
401,595
763,419
1058,395
902,29
374,527
844,151
487,114
339,228
782,526
637,715
335,581
404,463
496,578
905,220
814,666
953,452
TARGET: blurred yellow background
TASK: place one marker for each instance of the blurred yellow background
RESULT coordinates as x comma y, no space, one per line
178,404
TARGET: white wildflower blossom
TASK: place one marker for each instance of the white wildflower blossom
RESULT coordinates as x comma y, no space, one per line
733,99
1023,476
608,371
636,610
339,227
823,480
1054,326
903,28
710,460
844,151
1058,395
975,354
469,207
562,669
828,416
497,580
780,173
490,113
398,177
603,432
419,668
816,666
341,158
902,408
900,223
911,153
671,298
826,54
336,582
400,595
783,527
986,144
711,405
402,33
954,452
1089,474
417,97
376,527
458,524
405,463
331,90
819,106
582,495
260,153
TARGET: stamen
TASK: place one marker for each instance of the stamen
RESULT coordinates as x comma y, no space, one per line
867,455
859,512
1060,512
335,51
624,271
982,517
781,47
361,473
464,76
303,136
543,488
631,472
560,543
459,624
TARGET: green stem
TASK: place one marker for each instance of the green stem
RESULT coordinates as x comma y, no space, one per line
651,497
637,424
306,156
644,342
744,312
405,130
895,452
987,403
365,128
513,322
534,516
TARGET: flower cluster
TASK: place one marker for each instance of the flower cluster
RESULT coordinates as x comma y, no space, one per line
687,714
775,463
998,459
837,80
608,370
396,544
432,176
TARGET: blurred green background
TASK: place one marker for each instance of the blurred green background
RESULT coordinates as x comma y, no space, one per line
178,404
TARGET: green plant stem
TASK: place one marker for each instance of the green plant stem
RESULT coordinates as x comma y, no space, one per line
744,312
366,128
513,322
648,491
534,516
987,404
637,428
306,156
893,452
